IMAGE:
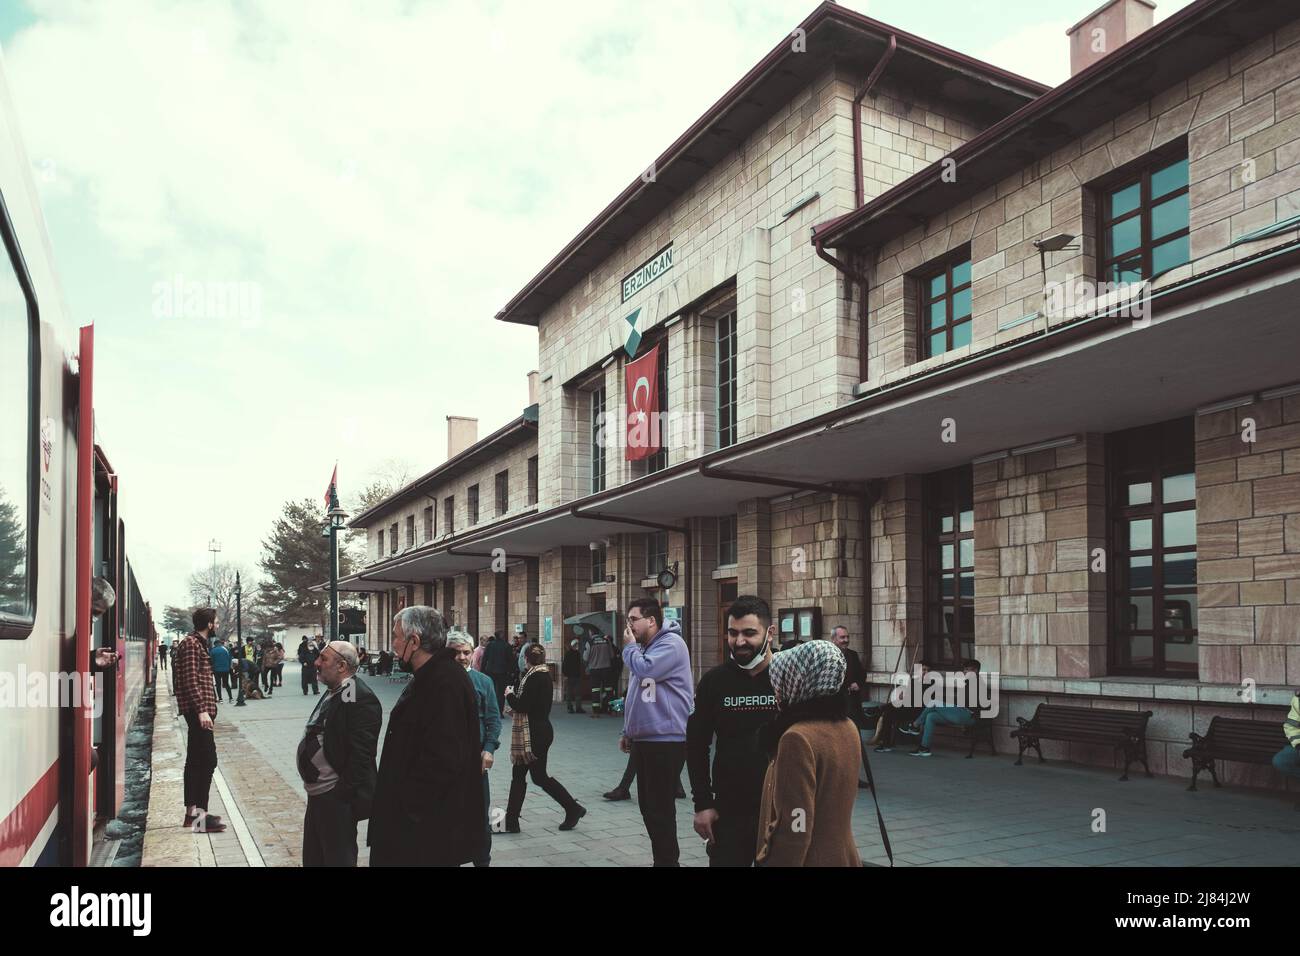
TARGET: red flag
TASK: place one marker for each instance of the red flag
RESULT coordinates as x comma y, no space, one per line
330,489
642,387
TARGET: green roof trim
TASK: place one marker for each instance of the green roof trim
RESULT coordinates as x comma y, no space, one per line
1284,225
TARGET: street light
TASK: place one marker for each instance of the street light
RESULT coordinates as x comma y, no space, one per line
337,517
239,628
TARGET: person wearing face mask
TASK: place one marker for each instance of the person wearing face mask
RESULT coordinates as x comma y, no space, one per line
428,806
336,759
489,722
733,702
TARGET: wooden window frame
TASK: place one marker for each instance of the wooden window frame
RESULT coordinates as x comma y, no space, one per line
1129,176
947,493
1169,462
925,279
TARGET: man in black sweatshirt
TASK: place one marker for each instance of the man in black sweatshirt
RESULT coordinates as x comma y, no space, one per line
732,701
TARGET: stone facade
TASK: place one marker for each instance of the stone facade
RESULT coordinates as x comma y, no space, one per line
1240,118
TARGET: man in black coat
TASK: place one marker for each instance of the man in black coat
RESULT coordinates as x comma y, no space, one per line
499,663
336,759
428,808
307,654
855,676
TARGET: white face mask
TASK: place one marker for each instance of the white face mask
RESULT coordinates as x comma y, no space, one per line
759,656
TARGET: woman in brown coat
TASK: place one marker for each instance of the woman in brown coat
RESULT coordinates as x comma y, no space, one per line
806,815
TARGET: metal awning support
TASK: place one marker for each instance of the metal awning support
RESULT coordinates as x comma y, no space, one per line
576,512
867,493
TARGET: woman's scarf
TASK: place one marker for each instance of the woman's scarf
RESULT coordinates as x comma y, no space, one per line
815,669
521,738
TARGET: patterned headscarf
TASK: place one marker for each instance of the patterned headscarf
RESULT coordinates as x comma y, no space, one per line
814,669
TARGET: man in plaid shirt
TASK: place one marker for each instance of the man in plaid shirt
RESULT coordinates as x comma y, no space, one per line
196,699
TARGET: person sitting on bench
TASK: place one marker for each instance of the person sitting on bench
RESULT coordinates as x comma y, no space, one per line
931,717
896,714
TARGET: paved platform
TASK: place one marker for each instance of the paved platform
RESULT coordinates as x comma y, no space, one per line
941,811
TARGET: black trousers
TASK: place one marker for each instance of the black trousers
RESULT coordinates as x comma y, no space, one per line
309,677
735,838
542,738
658,769
222,680
329,834
279,675
500,682
200,762
629,773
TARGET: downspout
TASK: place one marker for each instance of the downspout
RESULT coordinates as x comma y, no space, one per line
852,277
858,188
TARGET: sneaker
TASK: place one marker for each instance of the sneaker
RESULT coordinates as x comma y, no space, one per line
618,794
920,752
909,730
882,749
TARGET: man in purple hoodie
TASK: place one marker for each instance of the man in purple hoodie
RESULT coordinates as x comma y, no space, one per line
659,700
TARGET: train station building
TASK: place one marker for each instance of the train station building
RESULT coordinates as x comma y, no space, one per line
974,367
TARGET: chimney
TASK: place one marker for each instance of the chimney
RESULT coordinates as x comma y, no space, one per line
1107,29
532,387
461,433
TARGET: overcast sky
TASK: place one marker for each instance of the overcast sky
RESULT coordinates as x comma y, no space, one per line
367,183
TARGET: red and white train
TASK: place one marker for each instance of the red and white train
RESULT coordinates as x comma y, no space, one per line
62,755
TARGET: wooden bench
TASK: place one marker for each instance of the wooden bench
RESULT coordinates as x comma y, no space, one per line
1233,738
1126,729
982,729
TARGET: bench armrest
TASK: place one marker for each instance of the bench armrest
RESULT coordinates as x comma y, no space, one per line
1023,722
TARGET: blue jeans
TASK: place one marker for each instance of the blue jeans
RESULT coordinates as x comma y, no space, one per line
939,716
1287,761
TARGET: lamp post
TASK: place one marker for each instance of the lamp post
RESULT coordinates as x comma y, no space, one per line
239,626
337,517
214,546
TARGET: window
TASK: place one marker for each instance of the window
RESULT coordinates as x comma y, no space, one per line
1153,540
20,444
597,439
392,538
471,502
727,540
503,492
1144,222
598,563
946,305
949,557
449,515
727,380
532,480
379,538
410,531
428,523
659,460
656,553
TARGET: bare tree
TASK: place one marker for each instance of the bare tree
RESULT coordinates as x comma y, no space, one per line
216,589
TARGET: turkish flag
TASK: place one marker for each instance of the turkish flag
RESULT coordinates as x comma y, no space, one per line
642,386
329,489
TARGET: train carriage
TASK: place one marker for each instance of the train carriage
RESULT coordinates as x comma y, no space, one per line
62,754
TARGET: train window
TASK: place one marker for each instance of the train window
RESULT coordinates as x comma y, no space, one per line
19,448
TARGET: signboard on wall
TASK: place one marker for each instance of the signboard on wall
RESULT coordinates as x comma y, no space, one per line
546,630
647,272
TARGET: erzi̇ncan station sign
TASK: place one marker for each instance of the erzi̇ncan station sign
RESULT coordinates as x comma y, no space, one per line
647,272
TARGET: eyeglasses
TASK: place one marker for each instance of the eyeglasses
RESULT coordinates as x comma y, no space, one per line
631,619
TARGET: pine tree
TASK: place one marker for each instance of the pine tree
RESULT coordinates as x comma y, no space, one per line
295,558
